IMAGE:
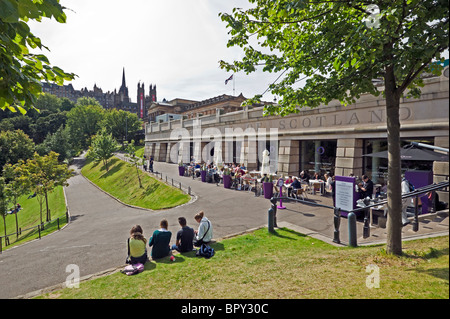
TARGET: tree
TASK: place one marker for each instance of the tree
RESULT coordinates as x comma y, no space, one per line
340,47
15,145
102,148
84,122
22,71
58,142
4,201
45,173
134,160
121,124
14,187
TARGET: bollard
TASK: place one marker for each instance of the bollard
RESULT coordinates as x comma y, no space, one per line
366,228
271,220
273,200
337,223
352,229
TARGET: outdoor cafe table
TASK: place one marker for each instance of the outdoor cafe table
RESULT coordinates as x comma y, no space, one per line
315,181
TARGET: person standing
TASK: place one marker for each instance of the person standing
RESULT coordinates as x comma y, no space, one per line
150,164
366,189
405,201
333,189
205,230
185,237
160,241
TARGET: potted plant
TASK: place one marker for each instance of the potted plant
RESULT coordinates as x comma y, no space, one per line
226,178
268,188
181,168
203,172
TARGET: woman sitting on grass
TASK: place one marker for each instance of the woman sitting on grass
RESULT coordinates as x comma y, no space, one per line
205,231
160,241
136,245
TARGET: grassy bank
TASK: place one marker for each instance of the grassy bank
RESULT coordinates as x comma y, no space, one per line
121,181
282,265
29,217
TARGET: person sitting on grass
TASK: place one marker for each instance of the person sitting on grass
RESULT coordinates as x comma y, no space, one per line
136,245
205,232
160,241
185,237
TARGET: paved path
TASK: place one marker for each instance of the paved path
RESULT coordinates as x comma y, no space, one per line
95,238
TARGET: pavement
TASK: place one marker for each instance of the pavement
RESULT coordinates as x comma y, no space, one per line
95,238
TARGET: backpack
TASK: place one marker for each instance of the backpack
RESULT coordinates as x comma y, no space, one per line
133,269
411,186
205,251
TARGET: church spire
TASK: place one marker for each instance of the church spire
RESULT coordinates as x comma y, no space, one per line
123,78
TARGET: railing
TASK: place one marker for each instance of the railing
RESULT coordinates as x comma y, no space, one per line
39,227
169,180
366,228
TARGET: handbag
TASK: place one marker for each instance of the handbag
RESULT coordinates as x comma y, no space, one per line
128,260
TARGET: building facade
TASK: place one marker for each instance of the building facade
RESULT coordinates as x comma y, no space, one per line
330,138
109,100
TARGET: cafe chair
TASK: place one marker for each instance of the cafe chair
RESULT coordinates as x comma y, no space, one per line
316,187
296,192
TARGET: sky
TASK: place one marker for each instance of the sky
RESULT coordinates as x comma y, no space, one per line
173,44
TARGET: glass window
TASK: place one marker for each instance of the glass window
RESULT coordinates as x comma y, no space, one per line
377,168
318,156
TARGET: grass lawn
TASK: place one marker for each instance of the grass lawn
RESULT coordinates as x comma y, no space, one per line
29,216
121,181
282,265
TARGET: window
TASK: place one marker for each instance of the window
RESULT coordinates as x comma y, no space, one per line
317,156
377,168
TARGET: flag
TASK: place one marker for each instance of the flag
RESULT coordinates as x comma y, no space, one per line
229,79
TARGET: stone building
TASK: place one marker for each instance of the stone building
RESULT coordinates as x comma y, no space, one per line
118,100
330,138
192,109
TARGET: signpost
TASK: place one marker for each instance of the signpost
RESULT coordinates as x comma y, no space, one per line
346,195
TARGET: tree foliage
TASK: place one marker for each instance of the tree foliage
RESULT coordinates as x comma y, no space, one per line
21,71
335,47
102,148
44,173
14,146
121,124
84,121
327,50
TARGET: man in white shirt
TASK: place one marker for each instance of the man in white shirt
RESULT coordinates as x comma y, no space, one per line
406,201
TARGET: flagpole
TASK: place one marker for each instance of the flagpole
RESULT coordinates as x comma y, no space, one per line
234,94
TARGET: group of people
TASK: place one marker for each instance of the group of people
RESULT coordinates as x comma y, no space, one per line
148,164
186,239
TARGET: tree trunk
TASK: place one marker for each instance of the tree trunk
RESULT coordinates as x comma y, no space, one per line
4,224
17,225
394,194
139,176
40,206
46,204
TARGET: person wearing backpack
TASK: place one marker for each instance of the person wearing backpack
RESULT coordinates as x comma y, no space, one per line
137,253
204,233
160,241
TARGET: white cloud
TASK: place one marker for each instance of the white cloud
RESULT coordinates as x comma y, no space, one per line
175,44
